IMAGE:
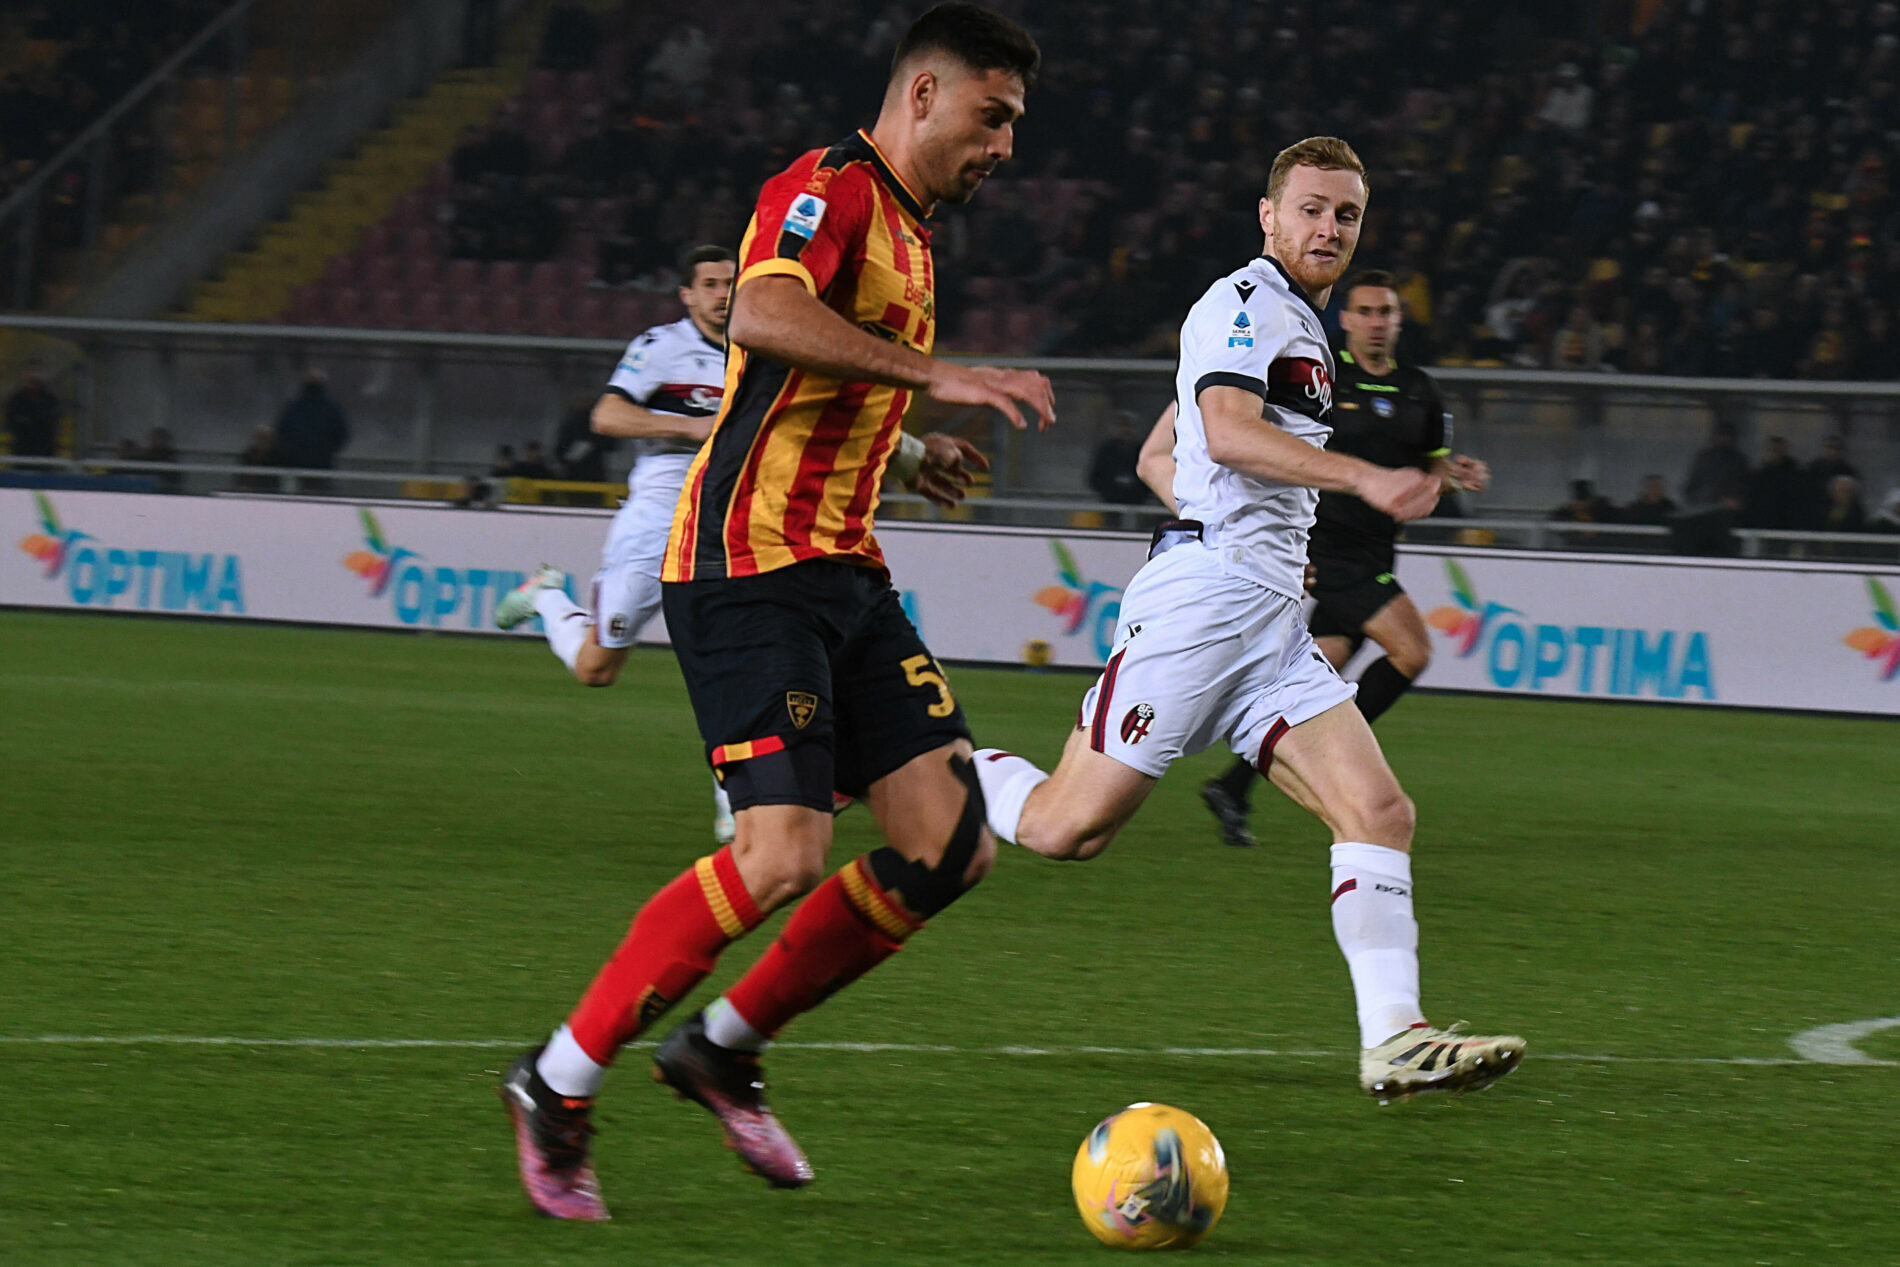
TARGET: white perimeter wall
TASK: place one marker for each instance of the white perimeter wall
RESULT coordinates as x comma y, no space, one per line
1790,635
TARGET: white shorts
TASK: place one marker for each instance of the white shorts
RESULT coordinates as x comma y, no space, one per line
627,586
1203,656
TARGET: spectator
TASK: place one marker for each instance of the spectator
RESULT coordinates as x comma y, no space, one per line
1779,494
1653,505
1718,476
1112,469
1843,512
534,463
581,451
1832,463
311,431
261,451
1887,518
1585,506
33,415
1569,101
504,467
159,448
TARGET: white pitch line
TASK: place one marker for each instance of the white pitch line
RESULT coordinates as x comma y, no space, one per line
1834,1044
920,1049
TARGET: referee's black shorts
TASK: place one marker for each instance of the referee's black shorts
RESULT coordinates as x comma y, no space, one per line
1349,588
806,679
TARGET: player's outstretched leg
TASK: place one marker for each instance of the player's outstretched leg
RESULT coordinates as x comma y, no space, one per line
1332,765
931,810
674,942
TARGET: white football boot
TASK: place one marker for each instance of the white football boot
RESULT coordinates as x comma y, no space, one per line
1426,1059
518,605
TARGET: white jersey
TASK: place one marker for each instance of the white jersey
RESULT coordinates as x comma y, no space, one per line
1253,329
671,369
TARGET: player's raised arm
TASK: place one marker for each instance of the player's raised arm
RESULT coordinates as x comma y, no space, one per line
1240,437
1155,463
776,316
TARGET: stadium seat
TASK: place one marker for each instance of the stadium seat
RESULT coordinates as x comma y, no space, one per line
418,241
306,306
374,241
505,315
548,315
580,269
388,311
470,313
462,276
379,272
345,307
547,277
588,317
544,85
504,276
339,270
978,332
421,270
427,310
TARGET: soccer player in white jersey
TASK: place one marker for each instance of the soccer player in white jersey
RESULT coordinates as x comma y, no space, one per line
1212,647
663,396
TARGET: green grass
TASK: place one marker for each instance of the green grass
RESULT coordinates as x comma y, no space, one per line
265,832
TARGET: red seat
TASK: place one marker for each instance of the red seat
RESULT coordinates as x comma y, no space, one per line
418,241
379,272
421,272
978,331
462,276
583,88
504,275
470,313
306,305
412,209
543,84
427,311
549,315
345,307
339,270
374,240
388,312
588,318
547,277
504,313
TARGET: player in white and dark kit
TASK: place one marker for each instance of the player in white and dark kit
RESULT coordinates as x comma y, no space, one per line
663,396
1212,647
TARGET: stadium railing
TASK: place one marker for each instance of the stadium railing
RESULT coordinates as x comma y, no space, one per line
427,407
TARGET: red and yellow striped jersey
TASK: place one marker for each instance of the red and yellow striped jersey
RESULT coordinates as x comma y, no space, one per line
793,467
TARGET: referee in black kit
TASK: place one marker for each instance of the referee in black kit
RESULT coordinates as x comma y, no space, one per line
1391,415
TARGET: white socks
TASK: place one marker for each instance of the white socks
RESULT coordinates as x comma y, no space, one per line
1372,920
1006,780
565,623
567,1069
730,1030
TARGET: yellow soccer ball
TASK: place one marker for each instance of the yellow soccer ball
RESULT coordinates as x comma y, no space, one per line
1150,1177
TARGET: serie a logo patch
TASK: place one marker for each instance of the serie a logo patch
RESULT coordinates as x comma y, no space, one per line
806,213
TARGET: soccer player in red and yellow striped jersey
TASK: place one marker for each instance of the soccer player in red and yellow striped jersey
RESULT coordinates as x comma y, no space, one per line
805,673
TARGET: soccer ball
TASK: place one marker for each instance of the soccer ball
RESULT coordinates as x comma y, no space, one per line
1150,1177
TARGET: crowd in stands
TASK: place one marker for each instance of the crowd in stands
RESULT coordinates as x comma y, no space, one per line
1824,494
1690,187
62,65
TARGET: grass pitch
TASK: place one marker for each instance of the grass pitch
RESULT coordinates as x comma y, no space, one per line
257,833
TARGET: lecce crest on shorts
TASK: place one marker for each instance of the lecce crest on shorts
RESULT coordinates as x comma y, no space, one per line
803,706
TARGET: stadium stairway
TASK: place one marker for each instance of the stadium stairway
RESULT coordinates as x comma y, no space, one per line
384,184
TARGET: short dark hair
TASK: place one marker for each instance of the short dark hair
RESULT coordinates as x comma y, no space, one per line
690,262
1369,277
978,38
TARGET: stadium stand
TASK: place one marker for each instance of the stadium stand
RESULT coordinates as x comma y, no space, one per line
1748,229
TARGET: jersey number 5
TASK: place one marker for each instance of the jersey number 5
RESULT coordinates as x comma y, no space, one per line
921,670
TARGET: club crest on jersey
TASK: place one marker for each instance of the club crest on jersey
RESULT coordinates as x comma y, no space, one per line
807,211
1382,407
802,705
617,625
1308,383
1136,723
1241,336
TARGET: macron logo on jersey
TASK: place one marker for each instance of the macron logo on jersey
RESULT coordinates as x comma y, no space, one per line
804,217
1241,336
